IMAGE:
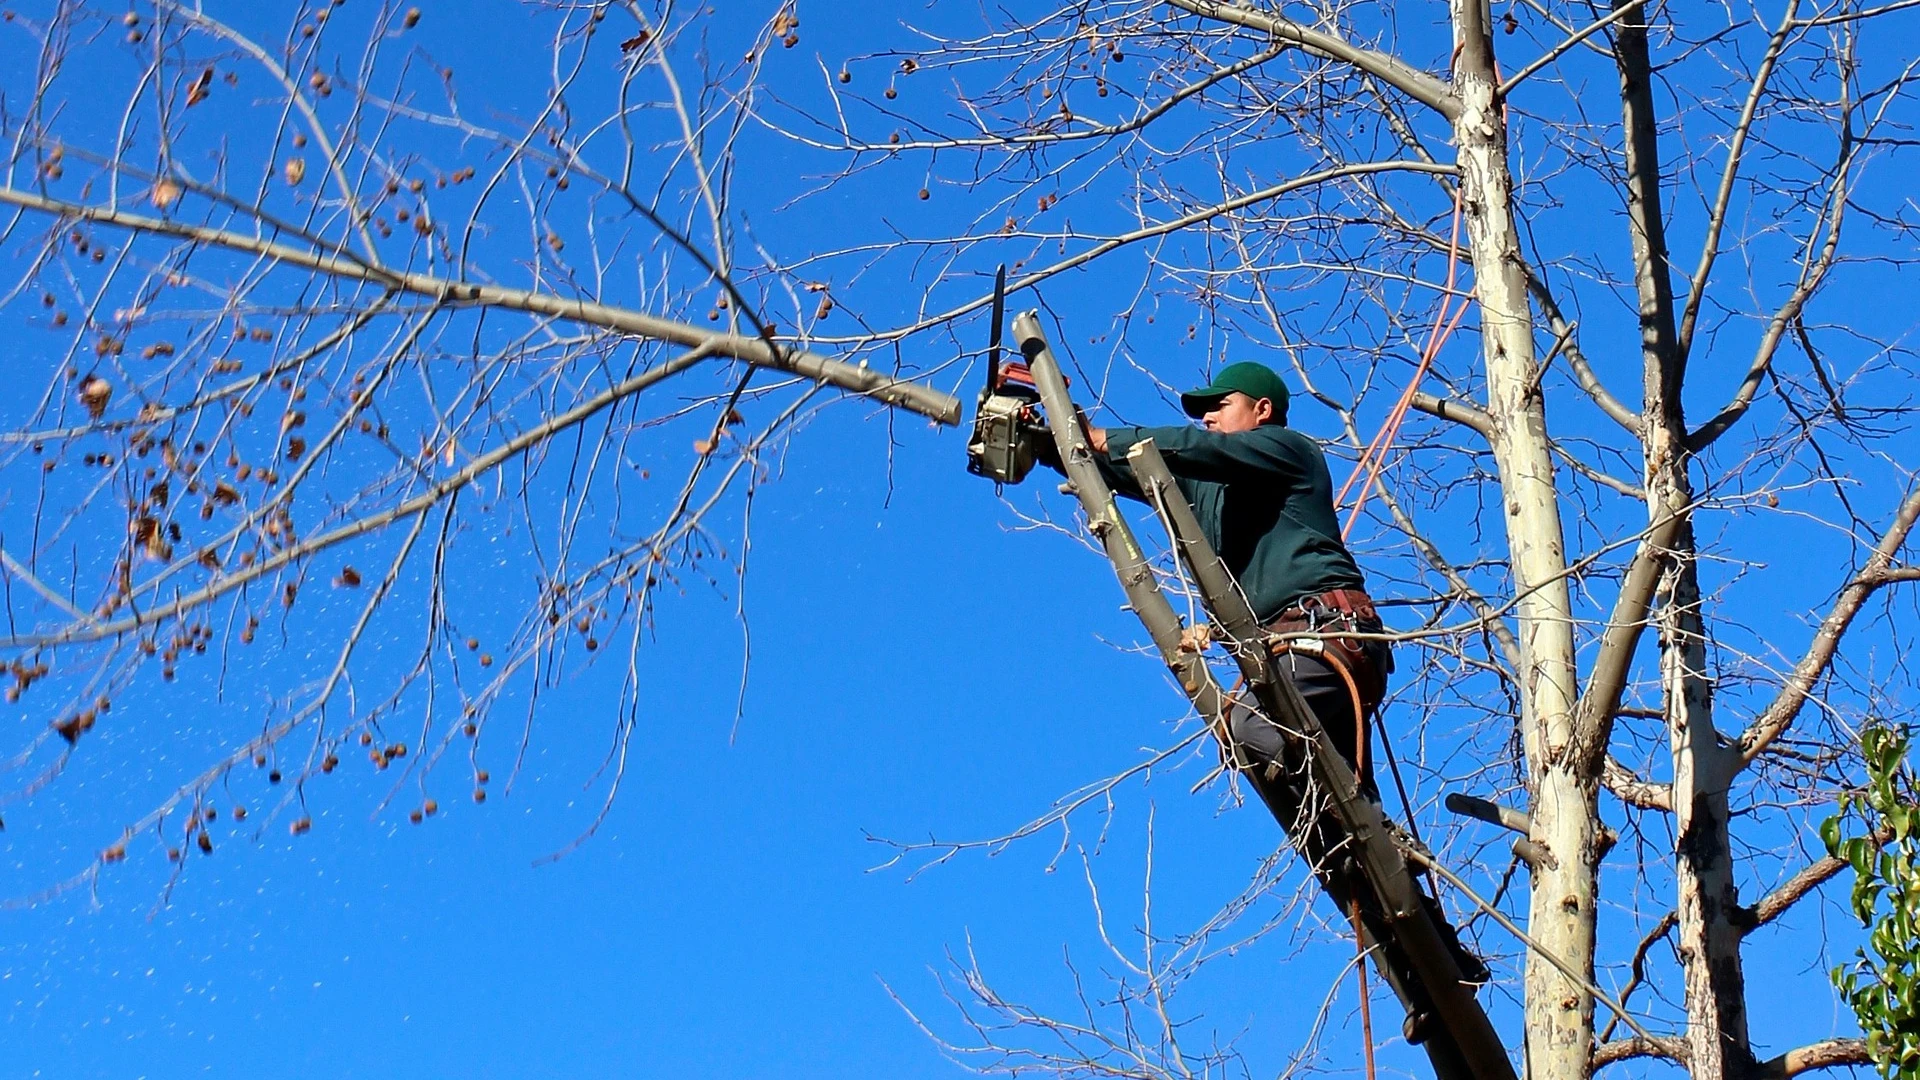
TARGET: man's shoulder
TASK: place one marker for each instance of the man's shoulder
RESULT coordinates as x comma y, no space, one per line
1285,439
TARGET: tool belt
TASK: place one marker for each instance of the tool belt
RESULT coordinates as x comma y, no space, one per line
1350,602
1335,611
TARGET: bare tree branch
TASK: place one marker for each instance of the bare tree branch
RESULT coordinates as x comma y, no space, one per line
935,404
1826,1054
1812,667
1736,148
1632,790
1671,1047
1593,729
1583,372
1416,84
1459,412
1775,904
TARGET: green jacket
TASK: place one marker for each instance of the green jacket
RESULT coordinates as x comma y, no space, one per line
1264,500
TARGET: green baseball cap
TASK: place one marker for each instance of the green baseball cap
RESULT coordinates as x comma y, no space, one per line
1254,380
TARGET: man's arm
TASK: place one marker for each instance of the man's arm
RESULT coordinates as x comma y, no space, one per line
1198,454
1115,471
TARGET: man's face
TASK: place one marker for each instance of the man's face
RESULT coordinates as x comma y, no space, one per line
1238,412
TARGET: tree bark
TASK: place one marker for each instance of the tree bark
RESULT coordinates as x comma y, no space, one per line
1703,766
1559,1010
1708,898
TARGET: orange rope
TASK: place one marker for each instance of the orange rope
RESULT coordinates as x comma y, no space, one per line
1359,766
1359,943
1366,1006
1373,459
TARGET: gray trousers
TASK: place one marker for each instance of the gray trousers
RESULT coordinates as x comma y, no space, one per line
1326,693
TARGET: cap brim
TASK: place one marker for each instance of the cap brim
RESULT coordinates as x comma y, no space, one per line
1198,403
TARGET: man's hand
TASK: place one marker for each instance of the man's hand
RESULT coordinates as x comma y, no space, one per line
1096,437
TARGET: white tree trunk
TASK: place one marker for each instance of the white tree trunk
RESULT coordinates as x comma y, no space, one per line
1707,900
1559,1011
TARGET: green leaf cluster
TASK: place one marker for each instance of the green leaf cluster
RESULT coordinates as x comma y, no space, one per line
1883,987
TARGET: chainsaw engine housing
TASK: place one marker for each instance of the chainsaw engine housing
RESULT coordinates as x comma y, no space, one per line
1005,430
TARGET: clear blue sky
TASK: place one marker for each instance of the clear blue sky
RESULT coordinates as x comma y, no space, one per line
921,666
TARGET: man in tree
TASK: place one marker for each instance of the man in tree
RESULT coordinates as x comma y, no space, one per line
1264,499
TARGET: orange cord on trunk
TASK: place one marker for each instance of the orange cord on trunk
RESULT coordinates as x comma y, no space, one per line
1359,942
1374,458
1359,768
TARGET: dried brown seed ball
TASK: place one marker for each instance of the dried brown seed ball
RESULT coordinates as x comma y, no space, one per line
892,93
431,807
473,643
925,194
206,844
470,730
846,76
414,817
301,825
366,738
486,659
412,18
273,777
239,813
482,776
479,794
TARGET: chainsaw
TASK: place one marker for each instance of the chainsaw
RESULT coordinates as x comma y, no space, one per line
1007,426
